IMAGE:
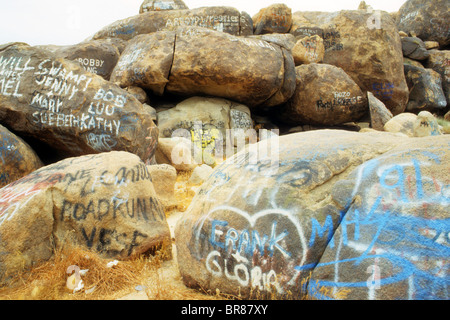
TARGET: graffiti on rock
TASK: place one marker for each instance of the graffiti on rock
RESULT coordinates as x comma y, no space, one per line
396,221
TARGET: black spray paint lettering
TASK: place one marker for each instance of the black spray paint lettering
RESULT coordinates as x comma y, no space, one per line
147,209
105,238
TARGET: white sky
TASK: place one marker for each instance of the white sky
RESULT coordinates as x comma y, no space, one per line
65,22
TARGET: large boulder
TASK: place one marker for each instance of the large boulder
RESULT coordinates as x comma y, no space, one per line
198,61
258,227
414,48
366,45
17,157
276,18
392,240
104,202
401,123
324,95
210,123
224,19
146,62
75,112
249,71
427,19
439,61
425,89
308,50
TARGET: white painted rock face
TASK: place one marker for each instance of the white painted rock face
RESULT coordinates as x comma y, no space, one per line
73,111
256,226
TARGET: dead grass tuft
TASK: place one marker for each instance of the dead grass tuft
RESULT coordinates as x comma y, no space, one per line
47,281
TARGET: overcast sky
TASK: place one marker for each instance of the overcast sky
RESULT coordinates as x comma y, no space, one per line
64,22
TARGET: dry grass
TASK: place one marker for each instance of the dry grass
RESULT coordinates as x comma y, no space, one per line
47,281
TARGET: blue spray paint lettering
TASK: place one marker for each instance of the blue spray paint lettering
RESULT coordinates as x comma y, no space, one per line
315,226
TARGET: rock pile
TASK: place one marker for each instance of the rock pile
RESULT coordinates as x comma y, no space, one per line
94,134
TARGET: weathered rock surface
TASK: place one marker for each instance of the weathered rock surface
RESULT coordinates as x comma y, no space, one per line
304,24
212,124
412,62
276,18
245,25
208,62
439,61
139,94
74,111
390,243
17,157
427,19
177,152
379,114
431,45
146,62
284,40
324,95
425,89
371,53
414,48
224,19
198,61
308,50
402,123
98,56
260,226
208,113
104,202
157,5
164,177
426,125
